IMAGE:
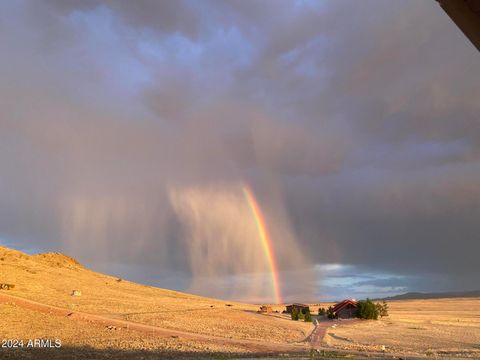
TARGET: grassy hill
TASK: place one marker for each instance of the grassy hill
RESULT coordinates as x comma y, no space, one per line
50,279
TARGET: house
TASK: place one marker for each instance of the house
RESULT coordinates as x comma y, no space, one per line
345,309
300,307
265,309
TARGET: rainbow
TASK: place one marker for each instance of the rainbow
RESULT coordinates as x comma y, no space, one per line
266,241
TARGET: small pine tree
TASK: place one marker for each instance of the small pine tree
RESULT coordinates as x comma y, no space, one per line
382,308
301,315
330,313
383,311
294,314
308,316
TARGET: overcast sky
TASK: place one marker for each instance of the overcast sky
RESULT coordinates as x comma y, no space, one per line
356,123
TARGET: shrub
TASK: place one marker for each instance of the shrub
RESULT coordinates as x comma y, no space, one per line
322,311
294,314
301,315
367,310
382,308
308,316
330,313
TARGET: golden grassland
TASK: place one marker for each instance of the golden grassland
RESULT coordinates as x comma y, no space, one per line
25,324
51,278
448,327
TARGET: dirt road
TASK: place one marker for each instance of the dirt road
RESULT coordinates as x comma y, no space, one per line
103,320
318,333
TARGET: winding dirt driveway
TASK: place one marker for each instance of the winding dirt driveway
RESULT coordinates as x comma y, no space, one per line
251,345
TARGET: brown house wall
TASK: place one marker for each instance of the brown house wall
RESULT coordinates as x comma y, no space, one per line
346,313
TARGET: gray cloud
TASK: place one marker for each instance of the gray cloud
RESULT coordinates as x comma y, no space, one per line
162,16
355,116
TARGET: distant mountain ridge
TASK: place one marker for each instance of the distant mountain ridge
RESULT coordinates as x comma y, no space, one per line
440,295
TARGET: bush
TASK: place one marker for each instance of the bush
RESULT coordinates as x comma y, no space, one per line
382,308
301,315
294,314
367,309
330,313
308,316
322,311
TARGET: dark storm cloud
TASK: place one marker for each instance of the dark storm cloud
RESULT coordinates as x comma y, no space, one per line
365,114
161,16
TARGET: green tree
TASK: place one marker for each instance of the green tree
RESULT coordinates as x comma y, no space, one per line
301,315
330,313
308,316
294,314
322,311
367,309
383,309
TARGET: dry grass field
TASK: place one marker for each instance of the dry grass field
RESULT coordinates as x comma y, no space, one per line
51,278
439,327
19,323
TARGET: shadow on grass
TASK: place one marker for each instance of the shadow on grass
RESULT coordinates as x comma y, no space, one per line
87,352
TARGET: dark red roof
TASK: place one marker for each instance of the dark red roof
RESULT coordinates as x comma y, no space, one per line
343,304
298,304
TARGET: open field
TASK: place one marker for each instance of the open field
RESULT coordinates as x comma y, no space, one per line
49,280
449,327
20,323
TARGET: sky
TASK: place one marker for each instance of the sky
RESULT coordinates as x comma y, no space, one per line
128,129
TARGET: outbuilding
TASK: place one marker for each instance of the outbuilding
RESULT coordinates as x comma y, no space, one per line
303,308
266,309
